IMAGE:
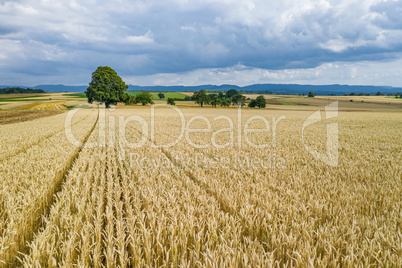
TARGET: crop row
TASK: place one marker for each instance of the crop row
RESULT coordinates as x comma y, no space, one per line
15,138
29,180
126,206
296,206
114,214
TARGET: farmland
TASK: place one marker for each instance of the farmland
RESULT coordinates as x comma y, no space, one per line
9,117
136,186
175,95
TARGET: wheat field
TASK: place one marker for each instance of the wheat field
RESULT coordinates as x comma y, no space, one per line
200,187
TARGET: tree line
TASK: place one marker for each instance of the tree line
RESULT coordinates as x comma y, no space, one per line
18,90
232,96
379,93
108,87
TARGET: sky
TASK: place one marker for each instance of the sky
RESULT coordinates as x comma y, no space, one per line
194,42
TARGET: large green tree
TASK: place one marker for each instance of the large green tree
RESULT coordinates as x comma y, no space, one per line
201,97
215,101
231,92
261,102
106,86
252,104
226,102
239,100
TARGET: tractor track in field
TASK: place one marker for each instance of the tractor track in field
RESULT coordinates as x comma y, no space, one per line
26,238
223,205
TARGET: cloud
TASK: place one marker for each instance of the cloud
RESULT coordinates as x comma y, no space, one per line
141,39
388,14
147,38
362,73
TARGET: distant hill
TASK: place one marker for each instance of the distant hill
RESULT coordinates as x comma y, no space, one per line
279,88
257,88
62,88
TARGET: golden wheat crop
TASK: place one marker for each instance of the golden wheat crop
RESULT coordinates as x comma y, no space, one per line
30,178
214,199
15,138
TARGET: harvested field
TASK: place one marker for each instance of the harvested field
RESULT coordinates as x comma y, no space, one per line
43,106
23,96
10,117
350,103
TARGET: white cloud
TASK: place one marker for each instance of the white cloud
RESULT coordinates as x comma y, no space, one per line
141,39
340,45
298,38
188,28
357,73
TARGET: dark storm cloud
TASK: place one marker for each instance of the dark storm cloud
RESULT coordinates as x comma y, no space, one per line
50,38
388,14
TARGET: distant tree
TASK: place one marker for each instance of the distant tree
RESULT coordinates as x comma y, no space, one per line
379,93
239,100
252,103
261,102
106,86
161,95
144,98
215,101
231,92
187,98
201,97
170,101
311,94
212,95
130,99
346,94
221,95
226,102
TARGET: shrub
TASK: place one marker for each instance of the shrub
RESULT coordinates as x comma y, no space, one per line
170,101
252,104
145,97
